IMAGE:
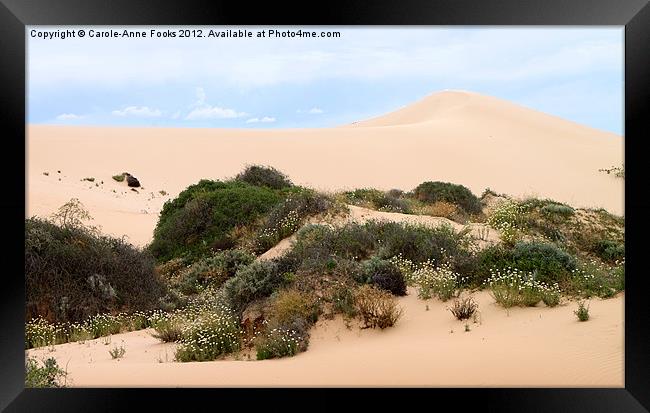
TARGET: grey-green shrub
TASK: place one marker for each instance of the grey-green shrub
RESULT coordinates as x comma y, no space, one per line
256,280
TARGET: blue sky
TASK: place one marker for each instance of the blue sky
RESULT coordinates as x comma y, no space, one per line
574,73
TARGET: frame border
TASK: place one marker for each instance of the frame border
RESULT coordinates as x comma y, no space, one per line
633,14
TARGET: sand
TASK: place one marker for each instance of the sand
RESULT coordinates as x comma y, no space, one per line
521,347
454,136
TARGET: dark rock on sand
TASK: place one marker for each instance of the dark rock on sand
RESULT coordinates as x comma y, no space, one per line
132,181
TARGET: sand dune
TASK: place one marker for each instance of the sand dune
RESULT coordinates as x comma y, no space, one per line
522,347
454,136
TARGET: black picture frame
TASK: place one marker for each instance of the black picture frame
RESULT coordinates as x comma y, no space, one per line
16,14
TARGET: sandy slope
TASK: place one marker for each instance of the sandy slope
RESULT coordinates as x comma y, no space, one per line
460,137
520,347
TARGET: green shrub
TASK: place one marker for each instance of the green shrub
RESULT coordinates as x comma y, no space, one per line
213,271
256,280
199,220
342,299
420,243
119,177
318,246
431,192
48,375
609,250
377,308
558,210
71,272
264,176
582,312
384,275
549,262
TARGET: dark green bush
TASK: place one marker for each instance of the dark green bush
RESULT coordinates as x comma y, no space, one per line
385,275
419,243
267,176
72,273
551,263
256,280
548,261
431,192
609,250
198,221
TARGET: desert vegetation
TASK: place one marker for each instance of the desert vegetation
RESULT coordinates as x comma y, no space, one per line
202,282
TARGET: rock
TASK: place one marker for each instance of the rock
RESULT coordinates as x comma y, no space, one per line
132,181
135,190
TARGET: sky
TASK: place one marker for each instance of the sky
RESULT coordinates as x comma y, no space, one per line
294,82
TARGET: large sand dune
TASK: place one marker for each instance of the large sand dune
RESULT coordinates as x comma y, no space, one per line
454,136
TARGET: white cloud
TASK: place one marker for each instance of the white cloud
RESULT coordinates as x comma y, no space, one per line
138,111
203,110
265,119
315,111
213,112
69,116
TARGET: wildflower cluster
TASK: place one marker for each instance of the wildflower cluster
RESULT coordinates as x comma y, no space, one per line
209,335
278,342
594,278
436,280
406,266
507,218
512,287
39,332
